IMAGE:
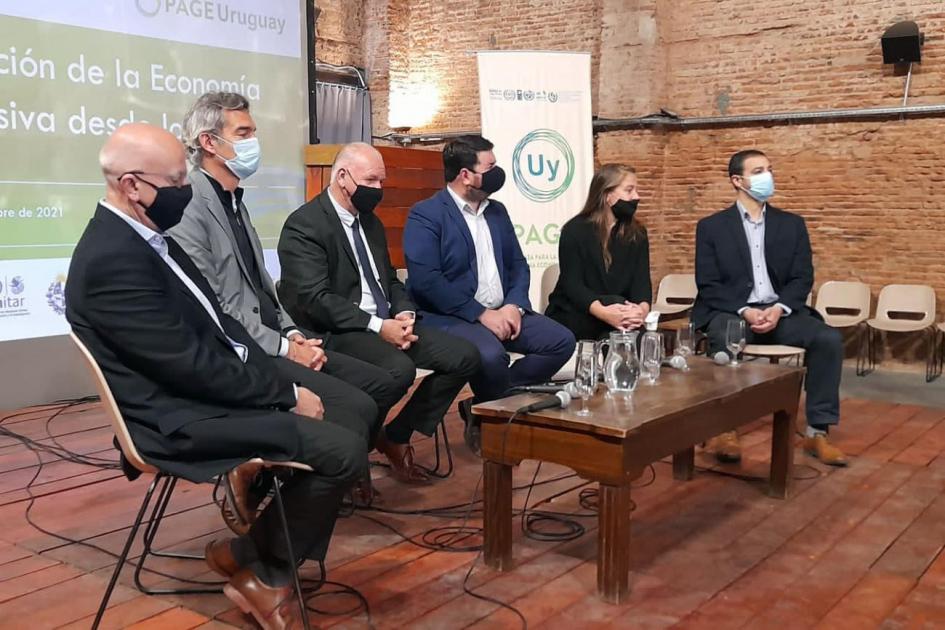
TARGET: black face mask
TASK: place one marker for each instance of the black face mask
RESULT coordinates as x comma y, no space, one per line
365,198
624,210
492,180
168,206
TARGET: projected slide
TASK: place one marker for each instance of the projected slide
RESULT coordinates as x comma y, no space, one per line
71,72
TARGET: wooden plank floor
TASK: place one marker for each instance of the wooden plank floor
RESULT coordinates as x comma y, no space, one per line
859,547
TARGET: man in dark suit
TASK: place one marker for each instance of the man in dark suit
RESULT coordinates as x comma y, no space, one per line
470,278
337,276
217,234
753,262
198,394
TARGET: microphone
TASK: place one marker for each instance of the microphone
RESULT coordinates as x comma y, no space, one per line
539,389
721,358
561,400
676,361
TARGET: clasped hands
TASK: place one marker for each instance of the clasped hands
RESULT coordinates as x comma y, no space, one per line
762,321
399,331
504,322
307,352
624,316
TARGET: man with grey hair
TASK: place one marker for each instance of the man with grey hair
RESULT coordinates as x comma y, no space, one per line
198,395
217,234
337,276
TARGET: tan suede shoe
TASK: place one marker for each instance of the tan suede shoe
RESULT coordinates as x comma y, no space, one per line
819,447
726,448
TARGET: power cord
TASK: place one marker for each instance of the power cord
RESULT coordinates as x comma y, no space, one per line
60,452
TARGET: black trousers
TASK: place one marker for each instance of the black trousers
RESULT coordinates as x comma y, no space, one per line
356,394
453,361
824,351
338,456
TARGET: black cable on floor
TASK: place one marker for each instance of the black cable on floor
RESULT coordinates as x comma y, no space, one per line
62,453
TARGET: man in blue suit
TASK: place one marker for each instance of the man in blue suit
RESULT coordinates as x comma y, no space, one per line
469,277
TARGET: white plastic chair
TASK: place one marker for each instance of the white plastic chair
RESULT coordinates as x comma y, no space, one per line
906,308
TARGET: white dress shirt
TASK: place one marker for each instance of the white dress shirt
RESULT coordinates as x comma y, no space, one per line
367,304
489,291
762,291
159,245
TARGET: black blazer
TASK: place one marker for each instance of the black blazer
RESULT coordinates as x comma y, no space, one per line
165,360
723,262
321,284
584,278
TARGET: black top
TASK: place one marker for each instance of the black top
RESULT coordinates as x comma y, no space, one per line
584,278
268,309
321,283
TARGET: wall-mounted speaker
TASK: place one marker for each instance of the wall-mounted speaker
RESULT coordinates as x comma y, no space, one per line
902,43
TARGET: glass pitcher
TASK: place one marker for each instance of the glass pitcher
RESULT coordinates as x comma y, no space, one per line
622,366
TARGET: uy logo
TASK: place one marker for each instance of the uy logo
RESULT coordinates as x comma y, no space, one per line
543,165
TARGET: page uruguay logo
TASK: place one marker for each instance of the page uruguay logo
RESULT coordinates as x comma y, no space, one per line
543,165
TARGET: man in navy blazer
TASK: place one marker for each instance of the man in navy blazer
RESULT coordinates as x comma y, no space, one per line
469,277
753,262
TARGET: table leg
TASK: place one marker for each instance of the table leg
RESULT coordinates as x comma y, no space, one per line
684,462
497,519
782,454
613,543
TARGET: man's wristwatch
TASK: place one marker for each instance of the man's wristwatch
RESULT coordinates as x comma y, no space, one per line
521,311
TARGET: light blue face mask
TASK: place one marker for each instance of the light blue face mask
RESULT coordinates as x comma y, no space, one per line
762,186
246,161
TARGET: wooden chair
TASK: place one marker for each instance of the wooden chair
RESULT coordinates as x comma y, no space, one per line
846,305
676,293
549,280
168,482
905,308
774,353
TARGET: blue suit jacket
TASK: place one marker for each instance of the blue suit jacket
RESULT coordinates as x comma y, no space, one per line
441,259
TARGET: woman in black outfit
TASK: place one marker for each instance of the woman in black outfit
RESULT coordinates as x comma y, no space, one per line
605,260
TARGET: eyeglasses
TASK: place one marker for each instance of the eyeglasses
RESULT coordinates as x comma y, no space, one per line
178,181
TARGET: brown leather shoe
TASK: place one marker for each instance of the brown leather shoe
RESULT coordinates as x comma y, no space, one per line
400,457
239,507
726,448
819,447
272,608
219,557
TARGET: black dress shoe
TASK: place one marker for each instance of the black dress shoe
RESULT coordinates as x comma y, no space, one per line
472,434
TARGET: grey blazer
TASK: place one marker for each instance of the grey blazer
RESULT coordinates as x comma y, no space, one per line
205,235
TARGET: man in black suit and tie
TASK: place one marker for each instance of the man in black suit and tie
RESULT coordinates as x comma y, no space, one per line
337,277
753,261
217,234
198,394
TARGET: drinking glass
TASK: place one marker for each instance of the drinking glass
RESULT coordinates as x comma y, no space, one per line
585,374
735,339
651,355
685,338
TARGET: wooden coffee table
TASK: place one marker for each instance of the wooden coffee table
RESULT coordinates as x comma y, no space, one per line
622,436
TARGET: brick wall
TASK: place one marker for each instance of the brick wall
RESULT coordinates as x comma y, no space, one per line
340,32
870,191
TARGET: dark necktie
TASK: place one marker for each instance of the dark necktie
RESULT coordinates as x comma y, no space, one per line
383,310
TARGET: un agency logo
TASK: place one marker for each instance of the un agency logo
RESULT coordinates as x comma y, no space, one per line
149,8
543,165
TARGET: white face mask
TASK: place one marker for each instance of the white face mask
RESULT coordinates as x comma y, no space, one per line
762,186
246,161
